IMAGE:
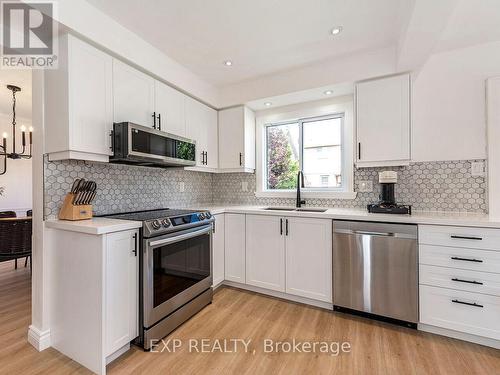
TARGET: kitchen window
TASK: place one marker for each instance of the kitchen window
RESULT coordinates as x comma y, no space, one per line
313,145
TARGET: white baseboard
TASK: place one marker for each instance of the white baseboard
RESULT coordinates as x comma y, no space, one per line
39,339
460,335
110,358
285,296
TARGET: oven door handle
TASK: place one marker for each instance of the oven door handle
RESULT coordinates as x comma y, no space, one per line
181,237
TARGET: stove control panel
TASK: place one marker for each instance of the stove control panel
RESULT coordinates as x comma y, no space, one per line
175,223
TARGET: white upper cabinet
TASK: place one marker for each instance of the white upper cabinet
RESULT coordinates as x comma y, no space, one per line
133,94
237,140
383,121
79,103
265,252
201,125
170,109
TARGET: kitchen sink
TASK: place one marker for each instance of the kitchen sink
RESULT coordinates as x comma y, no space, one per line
290,209
279,209
311,209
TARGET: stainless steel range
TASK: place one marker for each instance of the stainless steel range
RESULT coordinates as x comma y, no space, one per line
175,268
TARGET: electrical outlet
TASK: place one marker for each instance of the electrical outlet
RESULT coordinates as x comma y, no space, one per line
477,169
365,186
181,187
244,185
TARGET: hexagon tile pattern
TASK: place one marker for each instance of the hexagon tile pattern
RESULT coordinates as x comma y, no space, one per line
429,186
122,188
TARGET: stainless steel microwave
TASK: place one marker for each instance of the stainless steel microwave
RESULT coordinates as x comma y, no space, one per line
141,145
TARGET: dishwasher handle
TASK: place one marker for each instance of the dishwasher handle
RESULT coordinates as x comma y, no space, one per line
374,233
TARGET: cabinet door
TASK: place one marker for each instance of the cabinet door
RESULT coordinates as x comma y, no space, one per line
309,258
231,138
265,252
196,128
90,84
383,120
218,250
212,156
121,290
133,94
234,251
169,104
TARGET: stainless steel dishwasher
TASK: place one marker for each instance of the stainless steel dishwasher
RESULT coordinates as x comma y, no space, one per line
375,269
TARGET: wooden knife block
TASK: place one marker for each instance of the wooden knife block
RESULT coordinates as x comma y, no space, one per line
69,211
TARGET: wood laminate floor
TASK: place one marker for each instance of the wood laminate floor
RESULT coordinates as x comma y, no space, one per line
376,348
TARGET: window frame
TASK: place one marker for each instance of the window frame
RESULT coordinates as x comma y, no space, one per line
300,122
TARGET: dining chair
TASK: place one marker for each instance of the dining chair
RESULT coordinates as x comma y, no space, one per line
15,239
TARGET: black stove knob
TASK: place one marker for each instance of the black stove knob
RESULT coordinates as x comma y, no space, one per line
208,215
165,223
156,224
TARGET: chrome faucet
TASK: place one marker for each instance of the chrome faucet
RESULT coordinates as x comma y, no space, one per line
300,183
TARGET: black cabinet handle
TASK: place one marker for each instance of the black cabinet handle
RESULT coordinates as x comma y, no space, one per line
154,120
159,121
359,150
213,227
466,238
467,259
135,244
112,135
241,162
466,303
467,281
206,157
286,227
281,226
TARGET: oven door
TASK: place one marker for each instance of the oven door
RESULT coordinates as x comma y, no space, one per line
177,267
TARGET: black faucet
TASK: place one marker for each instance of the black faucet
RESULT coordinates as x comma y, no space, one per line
300,183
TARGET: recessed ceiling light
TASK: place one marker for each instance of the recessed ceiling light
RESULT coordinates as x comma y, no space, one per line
228,63
336,30
268,104
328,92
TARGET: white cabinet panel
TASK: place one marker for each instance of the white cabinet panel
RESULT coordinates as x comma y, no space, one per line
309,258
234,252
218,250
134,95
461,311
79,103
170,107
265,252
383,121
237,139
121,290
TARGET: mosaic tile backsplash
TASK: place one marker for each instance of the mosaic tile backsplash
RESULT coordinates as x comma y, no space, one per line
430,186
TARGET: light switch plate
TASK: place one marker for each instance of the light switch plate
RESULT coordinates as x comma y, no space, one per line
477,169
244,185
365,186
181,187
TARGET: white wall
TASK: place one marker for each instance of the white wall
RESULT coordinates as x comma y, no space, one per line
17,181
449,117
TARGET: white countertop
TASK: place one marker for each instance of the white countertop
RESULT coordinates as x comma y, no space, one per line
101,225
97,225
418,217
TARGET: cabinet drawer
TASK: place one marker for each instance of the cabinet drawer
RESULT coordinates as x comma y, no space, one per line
476,238
461,311
466,280
461,258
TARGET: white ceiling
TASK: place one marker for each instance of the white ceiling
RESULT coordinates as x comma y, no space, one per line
21,78
260,36
472,22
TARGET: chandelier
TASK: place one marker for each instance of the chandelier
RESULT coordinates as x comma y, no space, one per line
3,147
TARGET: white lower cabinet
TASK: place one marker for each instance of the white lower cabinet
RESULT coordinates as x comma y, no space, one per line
122,290
265,252
309,258
218,250
234,251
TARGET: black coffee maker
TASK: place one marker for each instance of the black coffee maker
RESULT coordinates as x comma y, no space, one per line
387,203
